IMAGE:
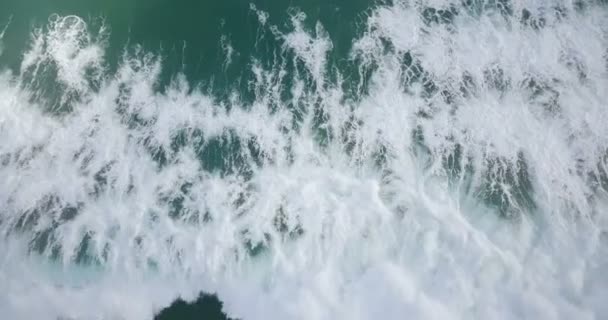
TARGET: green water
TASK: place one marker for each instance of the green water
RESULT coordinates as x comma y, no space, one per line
187,33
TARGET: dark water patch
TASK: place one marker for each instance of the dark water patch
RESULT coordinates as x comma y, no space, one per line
228,154
412,75
459,168
496,79
507,187
599,177
439,16
287,226
535,22
253,246
420,150
478,7
207,307
544,94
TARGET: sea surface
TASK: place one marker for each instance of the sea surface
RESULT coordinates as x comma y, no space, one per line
303,159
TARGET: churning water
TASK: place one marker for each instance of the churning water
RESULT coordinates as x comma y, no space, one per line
451,163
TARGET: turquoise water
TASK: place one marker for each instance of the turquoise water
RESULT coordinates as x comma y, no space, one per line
187,33
303,159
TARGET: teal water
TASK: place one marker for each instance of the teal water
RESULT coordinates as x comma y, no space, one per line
187,33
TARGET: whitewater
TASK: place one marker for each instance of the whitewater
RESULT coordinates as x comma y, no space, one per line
454,165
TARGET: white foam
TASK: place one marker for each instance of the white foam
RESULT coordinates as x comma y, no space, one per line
2,36
392,237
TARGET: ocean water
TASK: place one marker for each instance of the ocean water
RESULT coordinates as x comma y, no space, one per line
434,159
